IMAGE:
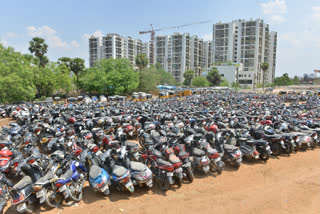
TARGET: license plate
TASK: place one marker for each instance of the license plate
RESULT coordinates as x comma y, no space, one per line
170,174
217,159
105,188
282,143
204,159
257,157
206,168
22,207
187,164
98,153
40,194
239,160
128,184
63,188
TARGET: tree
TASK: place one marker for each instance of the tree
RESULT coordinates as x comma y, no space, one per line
16,76
64,61
77,66
224,83
141,61
39,48
188,76
264,67
153,76
112,76
200,81
214,77
296,80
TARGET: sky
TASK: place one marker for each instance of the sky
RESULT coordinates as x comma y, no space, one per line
67,24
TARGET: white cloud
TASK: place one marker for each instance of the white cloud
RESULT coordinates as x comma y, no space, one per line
50,35
316,13
10,35
275,10
97,33
207,37
4,42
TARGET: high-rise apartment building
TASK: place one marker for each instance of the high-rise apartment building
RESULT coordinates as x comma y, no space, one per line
247,42
113,46
207,55
179,52
94,50
146,49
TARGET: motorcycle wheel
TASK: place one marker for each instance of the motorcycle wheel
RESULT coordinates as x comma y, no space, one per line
288,149
264,156
220,165
72,192
52,202
312,144
164,183
190,175
237,165
179,181
275,150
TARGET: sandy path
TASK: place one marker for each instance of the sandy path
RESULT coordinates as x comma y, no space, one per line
282,185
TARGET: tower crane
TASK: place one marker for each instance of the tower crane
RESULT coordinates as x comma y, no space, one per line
153,33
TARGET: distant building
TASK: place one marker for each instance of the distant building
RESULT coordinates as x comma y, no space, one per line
248,42
113,46
179,52
233,73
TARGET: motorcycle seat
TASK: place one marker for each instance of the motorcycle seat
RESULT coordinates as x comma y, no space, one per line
137,166
230,148
254,142
131,144
119,171
95,171
211,150
163,162
157,153
66,175
276,136
182,154
26,180
174,159
45,178
198,152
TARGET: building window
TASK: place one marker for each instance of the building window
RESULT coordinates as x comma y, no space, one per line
222,75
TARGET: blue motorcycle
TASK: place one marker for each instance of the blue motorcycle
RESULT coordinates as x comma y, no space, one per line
70,184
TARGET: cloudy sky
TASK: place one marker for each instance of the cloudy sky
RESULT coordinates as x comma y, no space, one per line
67,24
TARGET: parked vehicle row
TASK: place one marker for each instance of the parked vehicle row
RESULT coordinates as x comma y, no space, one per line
50,150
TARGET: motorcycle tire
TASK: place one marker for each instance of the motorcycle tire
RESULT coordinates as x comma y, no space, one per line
220,166
190,175
264,156
164,183
312,145
275,150
289,148
237,165
55,202
179,181
72,195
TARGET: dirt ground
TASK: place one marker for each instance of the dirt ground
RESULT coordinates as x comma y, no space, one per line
287,184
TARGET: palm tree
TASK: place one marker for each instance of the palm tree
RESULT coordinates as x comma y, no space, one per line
264,67
77,66
39,48
141,61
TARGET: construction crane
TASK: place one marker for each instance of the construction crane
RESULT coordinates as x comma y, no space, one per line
153,33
